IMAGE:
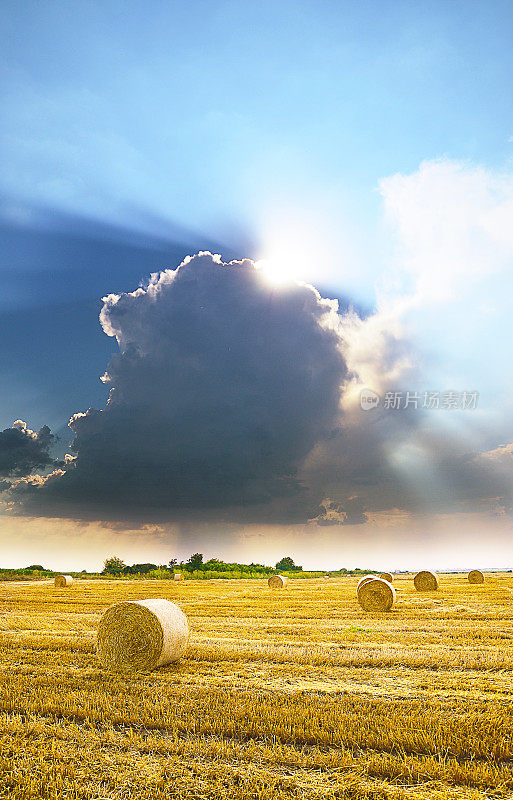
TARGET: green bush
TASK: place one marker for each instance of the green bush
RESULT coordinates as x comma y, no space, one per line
160,574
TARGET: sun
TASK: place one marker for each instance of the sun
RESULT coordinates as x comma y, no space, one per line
275,271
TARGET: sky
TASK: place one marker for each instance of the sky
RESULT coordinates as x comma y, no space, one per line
225,228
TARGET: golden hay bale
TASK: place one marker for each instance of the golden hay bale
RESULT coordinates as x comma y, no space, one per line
142,635
475,576
178,576
425,581
364,580
277,581
387,576
376,595
61,581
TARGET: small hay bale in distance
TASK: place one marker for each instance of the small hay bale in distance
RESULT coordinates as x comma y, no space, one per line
364,580
61,581
426,581
476,576
387,576
277,581
178,576
327,577
376,595
140,635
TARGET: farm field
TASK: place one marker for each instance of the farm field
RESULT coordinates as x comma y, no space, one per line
286,694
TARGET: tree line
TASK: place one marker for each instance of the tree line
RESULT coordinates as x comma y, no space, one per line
116,566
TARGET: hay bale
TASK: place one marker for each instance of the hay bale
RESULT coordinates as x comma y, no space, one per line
277,581
364,580
327,577
61,581
387,576
376,595
425,581
141,635
476,576
178,576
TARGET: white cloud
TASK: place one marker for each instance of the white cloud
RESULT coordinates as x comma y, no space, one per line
443,298
452,221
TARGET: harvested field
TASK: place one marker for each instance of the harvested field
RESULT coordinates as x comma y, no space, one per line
296,694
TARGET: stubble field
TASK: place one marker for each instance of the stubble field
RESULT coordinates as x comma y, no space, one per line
284,694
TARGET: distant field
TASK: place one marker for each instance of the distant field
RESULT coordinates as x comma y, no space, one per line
290,694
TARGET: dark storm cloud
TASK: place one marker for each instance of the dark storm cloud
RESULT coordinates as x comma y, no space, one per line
382,462
23,451
230,401
351,512
55,268
222,385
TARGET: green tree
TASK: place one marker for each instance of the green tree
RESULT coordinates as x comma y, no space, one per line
195,562
172,563
113,566
142,569
286,564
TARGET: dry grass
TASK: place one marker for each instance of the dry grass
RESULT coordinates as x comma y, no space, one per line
301,695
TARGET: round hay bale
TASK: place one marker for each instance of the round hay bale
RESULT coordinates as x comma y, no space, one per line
178,576
364,580
277,581
425,581
141,635
387,576
476,576
61,581
376,595
327,577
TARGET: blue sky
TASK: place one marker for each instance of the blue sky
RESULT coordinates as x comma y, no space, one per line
367,146
206,114
232,119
